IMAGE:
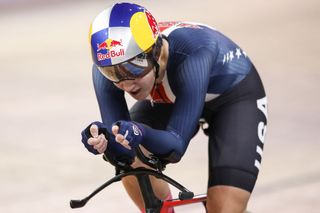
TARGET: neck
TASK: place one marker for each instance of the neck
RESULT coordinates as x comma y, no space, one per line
163,60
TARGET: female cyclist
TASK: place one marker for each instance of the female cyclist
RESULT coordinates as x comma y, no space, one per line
179,72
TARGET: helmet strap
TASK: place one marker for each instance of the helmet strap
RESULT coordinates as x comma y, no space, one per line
157,48
156,55
157,70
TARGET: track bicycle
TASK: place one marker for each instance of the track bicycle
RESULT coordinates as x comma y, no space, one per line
152,203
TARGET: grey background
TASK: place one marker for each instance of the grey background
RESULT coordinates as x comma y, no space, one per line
47,98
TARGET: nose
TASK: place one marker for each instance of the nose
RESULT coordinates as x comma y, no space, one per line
126,85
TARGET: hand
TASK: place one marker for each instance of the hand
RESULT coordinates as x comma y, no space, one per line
105,143
127,133
120,138
94,142
99,142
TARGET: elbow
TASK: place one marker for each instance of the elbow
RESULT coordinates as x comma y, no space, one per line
172,157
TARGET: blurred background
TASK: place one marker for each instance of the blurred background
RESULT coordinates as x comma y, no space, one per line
47,98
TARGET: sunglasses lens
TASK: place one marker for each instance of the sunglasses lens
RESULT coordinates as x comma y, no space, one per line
111,73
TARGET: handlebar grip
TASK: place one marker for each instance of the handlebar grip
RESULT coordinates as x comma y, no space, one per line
74,204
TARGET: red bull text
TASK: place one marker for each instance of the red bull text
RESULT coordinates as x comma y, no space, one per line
109,44
110,54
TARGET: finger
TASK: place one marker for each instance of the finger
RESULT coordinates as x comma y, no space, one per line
119,138
103,148
123,141
93,141
115,130
94,130
101,142
103,137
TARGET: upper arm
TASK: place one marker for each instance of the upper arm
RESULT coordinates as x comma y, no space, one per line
191,81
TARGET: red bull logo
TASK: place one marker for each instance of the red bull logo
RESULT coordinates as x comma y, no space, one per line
109,44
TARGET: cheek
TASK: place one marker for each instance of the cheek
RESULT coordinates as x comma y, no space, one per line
119,86
148,81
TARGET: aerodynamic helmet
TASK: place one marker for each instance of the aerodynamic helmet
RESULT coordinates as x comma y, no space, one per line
124,41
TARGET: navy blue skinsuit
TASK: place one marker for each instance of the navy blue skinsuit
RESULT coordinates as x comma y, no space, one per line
203,65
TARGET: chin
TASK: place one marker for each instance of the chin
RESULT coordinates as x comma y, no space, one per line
139,97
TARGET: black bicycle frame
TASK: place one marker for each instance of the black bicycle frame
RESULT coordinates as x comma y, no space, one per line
152,203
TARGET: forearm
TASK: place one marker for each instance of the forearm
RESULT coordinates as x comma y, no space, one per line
166,144
111,100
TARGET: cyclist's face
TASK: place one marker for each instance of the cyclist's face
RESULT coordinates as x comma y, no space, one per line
138,88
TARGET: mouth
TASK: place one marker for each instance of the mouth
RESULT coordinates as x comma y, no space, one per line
134,92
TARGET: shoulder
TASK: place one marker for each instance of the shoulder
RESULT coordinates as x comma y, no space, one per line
187,37
167,27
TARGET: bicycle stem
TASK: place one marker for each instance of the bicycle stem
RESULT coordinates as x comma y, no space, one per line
151,202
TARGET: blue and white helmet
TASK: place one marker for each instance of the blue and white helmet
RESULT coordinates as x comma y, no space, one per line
121,32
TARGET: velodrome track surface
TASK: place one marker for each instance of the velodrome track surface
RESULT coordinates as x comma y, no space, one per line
47,98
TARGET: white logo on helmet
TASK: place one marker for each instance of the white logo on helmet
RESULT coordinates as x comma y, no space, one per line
141,62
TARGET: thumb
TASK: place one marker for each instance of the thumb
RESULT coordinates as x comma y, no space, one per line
94,130
115,129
